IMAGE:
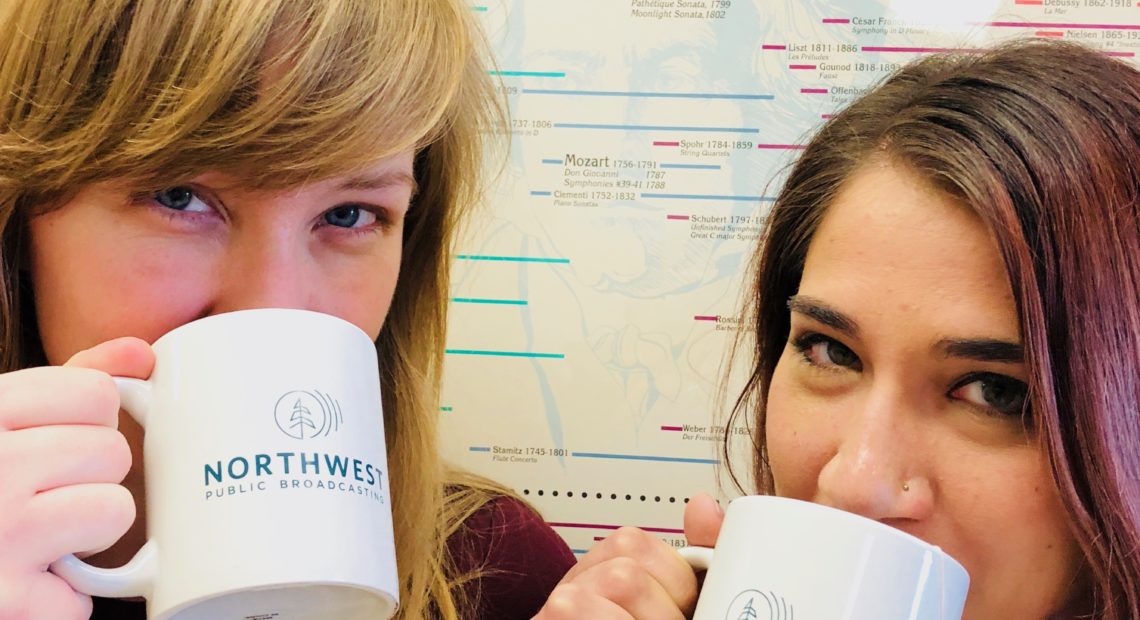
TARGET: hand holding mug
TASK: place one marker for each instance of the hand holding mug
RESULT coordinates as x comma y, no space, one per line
62,459
266,474
633,574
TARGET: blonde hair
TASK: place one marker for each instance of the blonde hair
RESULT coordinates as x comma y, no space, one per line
282,93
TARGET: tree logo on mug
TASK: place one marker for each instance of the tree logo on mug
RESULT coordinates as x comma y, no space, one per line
304,415
757,605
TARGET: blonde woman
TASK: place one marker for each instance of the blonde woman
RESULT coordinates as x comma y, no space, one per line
161,161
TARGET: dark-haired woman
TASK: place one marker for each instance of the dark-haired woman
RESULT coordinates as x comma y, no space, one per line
946,308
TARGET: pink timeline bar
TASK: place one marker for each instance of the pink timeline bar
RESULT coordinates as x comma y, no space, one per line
599,526
672,428
659,143
1061,25
772,46
677,217
703,317
922,50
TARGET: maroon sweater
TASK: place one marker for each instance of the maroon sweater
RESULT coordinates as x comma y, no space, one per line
520,557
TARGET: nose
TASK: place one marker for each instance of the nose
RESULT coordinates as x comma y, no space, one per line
877,468
267,269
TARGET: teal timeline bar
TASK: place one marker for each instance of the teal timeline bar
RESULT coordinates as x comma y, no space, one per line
556,356
503,302
550,74
514,259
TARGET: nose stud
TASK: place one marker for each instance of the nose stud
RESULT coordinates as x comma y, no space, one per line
906,486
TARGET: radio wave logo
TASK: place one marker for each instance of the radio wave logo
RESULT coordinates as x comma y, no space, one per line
757,605
305,415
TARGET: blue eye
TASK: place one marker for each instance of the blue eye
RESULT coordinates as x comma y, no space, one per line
181,198
344,217
349,216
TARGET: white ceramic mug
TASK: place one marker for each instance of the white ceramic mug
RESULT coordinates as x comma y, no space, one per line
266,475
784,559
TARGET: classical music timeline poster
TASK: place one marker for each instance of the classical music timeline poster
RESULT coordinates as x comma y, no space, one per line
595,300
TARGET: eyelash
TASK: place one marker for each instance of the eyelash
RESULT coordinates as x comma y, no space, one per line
382,224
149,200
1021,412
804,343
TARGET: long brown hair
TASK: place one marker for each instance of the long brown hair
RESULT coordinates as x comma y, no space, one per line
282,93
1042,141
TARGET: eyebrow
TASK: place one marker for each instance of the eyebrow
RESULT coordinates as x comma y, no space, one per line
978,349
982,349
823,313
384,180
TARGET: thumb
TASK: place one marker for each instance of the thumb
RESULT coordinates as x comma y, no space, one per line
703,516
122,357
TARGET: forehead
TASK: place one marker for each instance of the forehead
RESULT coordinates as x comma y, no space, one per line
889,243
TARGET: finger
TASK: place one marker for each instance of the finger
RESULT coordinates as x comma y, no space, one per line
605,550
51,598
703,518
635,589
121,357
659,559
74,519
571,601
624,542
51,395
45,457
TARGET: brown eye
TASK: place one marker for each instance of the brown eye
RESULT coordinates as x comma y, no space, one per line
1002,394
839,354
824,352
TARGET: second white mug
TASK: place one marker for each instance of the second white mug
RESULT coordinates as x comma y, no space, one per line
784,559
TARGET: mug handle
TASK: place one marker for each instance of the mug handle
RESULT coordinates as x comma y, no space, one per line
700,558
136,577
